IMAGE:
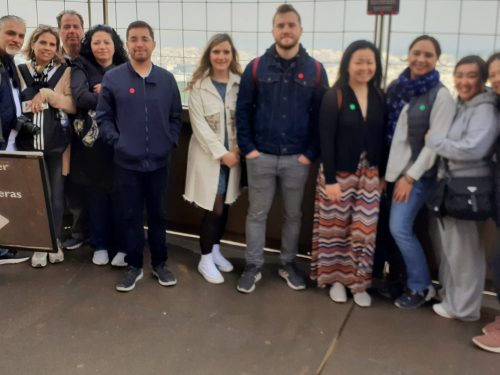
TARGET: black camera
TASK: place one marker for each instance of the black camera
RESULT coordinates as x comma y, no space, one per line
24,124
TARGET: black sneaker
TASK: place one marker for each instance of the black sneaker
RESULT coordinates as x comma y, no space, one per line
411,300
246,283
164,276
293,279
73,243
12,257
132,275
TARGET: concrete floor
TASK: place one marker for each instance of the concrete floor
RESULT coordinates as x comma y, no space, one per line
68,319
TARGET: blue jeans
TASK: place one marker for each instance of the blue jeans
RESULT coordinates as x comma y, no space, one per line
265,173
401,224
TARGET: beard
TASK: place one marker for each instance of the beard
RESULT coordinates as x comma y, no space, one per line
12,51
287,46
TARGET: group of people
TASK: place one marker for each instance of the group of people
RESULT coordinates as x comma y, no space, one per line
108,120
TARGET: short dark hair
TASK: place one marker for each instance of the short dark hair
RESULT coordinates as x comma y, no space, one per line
343,74
286,8
435,43
474,59
140,25
71,13
494,57
120,55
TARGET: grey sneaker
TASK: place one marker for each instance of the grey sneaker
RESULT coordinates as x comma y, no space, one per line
132,275
293,279
164,276
73,243
12,257
246,283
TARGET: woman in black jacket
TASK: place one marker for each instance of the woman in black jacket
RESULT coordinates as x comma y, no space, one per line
92,160
351,127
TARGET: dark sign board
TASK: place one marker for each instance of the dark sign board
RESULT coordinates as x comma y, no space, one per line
383,7
25,219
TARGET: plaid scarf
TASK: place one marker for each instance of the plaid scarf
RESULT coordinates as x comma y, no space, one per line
402,91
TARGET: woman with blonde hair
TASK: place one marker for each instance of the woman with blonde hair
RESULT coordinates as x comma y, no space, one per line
47,101
213,169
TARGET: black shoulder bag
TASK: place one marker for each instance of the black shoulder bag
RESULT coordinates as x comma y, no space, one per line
463,198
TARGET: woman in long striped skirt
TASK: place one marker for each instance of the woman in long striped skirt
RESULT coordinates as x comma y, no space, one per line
351,125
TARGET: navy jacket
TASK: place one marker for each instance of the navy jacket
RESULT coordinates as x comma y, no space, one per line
8,114
276,112
140,117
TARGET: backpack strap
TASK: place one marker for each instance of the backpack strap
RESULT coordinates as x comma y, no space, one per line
255,65
25,73
318,73
339,98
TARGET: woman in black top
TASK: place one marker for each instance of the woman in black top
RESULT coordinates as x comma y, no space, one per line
92,160
351,126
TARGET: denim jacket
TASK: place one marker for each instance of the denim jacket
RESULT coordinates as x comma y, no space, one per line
277,109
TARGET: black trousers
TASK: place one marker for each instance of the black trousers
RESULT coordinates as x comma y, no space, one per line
134,191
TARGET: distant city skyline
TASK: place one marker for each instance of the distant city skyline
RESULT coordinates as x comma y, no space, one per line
183,27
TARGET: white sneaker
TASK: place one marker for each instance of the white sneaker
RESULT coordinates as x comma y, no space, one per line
362,299
39,259
100,257
222,263
119,260
439,310
337,293
57,257
209,271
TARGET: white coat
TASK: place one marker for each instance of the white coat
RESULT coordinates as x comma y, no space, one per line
206,148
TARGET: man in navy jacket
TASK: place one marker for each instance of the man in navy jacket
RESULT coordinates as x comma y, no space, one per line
277,104
139,113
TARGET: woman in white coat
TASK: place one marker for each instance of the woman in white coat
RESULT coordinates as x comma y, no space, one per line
213,169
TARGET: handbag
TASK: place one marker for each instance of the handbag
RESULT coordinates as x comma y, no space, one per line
463,198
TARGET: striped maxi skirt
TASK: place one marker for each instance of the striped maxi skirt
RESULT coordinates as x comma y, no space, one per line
344,232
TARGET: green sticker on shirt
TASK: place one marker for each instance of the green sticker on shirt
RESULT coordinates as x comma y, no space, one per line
352,107
422,107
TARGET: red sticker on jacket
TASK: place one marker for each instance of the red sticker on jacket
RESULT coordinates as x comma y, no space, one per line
131,90
300,75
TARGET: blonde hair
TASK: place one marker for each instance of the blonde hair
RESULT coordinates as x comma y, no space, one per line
204,68
39,31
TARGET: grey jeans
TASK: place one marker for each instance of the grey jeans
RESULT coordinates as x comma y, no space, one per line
265,173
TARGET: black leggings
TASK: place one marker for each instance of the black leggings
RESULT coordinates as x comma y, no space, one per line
213,225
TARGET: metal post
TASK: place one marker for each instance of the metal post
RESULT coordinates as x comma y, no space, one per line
89,9
105,12
387,50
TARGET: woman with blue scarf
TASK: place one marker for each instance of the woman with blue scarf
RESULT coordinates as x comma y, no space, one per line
417,102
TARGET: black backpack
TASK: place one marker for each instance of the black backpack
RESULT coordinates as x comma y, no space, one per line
56,137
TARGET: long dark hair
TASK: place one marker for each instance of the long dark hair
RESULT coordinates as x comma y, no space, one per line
343,74
120,55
